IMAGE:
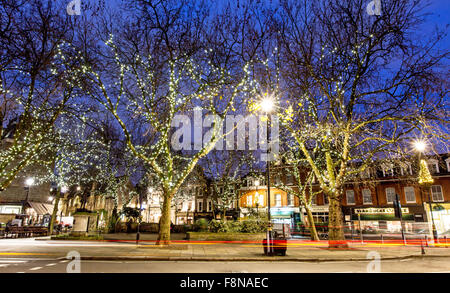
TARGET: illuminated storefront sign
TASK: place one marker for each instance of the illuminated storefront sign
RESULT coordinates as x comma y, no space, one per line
379,211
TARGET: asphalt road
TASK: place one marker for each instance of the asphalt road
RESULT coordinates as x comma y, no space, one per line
50,265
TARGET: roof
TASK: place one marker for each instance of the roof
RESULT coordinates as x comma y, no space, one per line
41,208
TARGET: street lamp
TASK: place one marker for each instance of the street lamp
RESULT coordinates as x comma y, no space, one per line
28,182
267,106
425,180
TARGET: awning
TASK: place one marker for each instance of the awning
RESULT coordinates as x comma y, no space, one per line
41,208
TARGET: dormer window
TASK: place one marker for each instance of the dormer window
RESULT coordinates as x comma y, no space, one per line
388,170
447,161
366,173
433,166
405,169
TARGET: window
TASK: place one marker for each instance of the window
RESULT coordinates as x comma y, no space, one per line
325,199
367,196
436,193
200,206
260,199
388,170
410,195
278,200
366,173
249,200
276,179
289,179
433,166
209,206
390,194
405,169
448,164
290,199
350,196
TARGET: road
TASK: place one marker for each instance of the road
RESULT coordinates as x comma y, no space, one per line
49,265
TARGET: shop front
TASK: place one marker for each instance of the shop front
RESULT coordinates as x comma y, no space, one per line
285,215
441,217
383,220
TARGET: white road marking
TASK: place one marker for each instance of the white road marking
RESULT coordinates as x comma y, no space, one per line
12,261
3,265
63,261
35,269
50,264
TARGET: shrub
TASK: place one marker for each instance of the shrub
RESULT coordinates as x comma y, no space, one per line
234,226
254,226
201,225
216,226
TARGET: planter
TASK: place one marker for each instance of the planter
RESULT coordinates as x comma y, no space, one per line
205,236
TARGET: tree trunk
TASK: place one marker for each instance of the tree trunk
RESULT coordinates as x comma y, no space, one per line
164,223
336,238
55,210
224,215
312,225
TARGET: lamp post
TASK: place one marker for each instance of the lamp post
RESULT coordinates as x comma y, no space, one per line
425,181
267,106
28,183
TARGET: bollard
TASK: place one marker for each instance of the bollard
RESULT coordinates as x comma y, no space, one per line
421,247
382,240
426,240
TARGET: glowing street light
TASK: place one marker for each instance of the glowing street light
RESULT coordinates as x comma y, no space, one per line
29,181
420,146
267,105
64,189
50,198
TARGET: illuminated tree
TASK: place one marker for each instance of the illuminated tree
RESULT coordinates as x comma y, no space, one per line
33,94
146,86
357,85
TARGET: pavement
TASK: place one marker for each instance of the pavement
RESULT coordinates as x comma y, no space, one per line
122,247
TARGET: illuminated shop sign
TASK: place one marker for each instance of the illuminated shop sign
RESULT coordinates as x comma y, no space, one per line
379,211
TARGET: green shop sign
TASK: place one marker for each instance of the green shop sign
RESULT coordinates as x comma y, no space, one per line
381,214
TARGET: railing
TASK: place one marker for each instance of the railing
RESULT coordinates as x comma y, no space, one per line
19,232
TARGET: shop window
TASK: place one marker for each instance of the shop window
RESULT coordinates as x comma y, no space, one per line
278,200
350,194
390,194
436,193
367,196
410,195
